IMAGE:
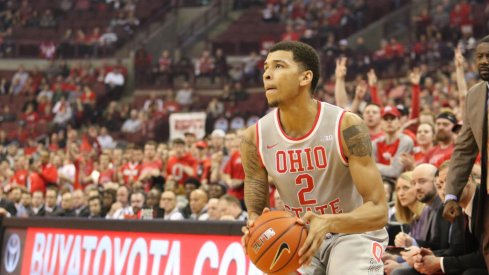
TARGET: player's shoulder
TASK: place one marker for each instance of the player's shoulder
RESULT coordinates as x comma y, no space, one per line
351,119
249,135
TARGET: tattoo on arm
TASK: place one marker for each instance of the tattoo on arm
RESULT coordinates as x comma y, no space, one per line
256,181
357,140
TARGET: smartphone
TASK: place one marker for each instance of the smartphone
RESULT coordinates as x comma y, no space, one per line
396,249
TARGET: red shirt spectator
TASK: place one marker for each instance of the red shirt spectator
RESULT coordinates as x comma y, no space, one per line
234,168
20,177
438,155
130,172
177,167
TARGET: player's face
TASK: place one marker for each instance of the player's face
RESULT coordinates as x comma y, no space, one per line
482,60
405,192
281,77
371,116
424,135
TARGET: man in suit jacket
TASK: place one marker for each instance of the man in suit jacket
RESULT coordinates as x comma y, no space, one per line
472,140
8,206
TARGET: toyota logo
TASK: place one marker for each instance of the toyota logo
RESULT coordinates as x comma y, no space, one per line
12,253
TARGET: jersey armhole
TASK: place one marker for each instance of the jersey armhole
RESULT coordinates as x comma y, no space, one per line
258,145
339,147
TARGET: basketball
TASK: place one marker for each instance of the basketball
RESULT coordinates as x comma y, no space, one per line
274,242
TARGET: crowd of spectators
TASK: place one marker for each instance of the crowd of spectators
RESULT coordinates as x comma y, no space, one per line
117,22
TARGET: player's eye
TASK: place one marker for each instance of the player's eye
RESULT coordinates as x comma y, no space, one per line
278,66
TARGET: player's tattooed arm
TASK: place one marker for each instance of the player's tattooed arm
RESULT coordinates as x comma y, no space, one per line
256,178
357,140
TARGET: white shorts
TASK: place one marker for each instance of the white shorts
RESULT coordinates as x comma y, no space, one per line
351,254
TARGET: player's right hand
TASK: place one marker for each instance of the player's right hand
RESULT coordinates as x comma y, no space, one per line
246,229
315,236
451,210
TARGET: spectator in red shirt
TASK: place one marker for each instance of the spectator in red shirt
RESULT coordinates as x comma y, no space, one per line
445,125
21,172
129,171
387,150
30,116
233,173
48,171
181,165
151,167
203,163
424,141
107,174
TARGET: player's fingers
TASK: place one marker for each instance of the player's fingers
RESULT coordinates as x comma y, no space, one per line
265,210
309,254
308,217
305,247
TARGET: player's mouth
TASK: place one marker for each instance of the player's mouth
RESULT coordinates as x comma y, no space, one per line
270,88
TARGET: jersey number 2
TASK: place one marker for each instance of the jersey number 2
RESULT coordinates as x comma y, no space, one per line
308,180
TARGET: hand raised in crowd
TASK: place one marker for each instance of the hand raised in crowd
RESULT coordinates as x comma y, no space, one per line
415,76
403,240
459,58
372,77
340,72
361,90
249,224
451,210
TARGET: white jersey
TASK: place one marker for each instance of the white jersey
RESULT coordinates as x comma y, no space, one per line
311,173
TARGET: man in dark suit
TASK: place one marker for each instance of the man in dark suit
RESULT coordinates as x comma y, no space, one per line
8,207
472,140
471,262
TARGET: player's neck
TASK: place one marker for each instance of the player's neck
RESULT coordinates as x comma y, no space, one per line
297,119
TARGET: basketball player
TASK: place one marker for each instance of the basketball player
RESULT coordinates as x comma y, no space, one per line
319,156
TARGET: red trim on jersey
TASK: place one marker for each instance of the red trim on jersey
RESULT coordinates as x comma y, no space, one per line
342,154
308,133
257,133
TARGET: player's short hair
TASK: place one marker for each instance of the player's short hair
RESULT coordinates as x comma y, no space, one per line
303,54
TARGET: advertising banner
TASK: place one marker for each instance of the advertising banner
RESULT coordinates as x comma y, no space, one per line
180,123
70,251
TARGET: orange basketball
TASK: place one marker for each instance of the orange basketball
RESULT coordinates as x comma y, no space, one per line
274,242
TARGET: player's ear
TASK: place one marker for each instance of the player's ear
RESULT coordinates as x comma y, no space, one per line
306,78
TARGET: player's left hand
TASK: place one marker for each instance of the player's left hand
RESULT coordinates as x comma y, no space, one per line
315,236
